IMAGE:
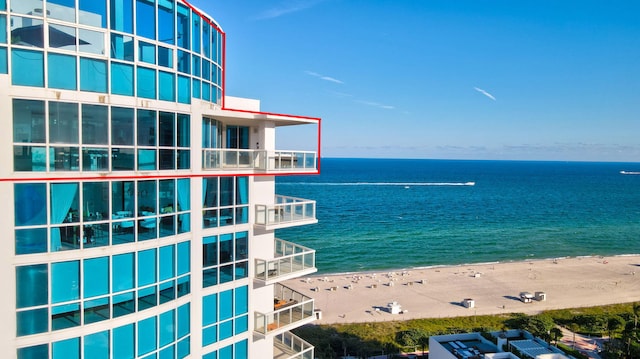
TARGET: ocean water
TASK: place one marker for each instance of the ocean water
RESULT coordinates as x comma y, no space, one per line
383,214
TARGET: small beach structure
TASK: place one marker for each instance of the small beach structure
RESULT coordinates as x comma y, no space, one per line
394,308
468,303
541,296
526,297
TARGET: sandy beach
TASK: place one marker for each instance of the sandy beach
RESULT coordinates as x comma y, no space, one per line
495,288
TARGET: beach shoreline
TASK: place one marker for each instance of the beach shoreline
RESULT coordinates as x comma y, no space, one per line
493,288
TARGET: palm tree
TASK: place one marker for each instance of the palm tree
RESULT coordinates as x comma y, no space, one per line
614,324
556,334
636,313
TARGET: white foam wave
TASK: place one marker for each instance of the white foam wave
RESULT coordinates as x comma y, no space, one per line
403,184
629,173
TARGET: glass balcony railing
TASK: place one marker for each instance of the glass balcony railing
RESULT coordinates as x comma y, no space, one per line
258,160
286,212
291,309
289,346
291,260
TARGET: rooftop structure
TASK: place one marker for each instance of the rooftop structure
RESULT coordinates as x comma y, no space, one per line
141,205
501,345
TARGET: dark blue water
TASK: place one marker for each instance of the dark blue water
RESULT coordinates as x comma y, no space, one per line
378,214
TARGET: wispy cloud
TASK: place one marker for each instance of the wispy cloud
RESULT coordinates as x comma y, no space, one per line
323,77
485,93
287,7
376,104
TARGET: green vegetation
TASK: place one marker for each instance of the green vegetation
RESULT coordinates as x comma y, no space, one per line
621,322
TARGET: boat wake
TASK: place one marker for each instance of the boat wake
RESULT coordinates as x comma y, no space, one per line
401,184
629,173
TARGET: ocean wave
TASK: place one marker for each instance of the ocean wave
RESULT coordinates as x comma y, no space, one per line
401,184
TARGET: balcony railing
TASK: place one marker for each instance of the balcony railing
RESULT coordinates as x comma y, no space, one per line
289,346
291,310
258,160
291,260
286,212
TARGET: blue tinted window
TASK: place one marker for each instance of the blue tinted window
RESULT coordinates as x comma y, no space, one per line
147,161
96,276
184,60
146,82
67,349
242,300
184,255
206,70
31,285
32,321
93,75
66,10
196,88
4,68
96,310
184,320
93,12
123,342
62,71
241,324
184,89
167,325
212,355
146,267
196,66
209,309
121,47
123,272
147,52
165,57
65,281
166,22
184,348
241,350
183,26
34,352
30,201
146,19
123,304
226,329
121,79
167,86
27,68
96,346
226,304
167,353
122,15
167,269
3,4
206,91
209,335
206,39
195,34
147,336
65,316
32,240
3,29
226,353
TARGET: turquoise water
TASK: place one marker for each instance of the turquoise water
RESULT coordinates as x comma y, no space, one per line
380,214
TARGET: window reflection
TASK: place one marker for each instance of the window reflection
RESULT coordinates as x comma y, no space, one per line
93,13
62,10
29,7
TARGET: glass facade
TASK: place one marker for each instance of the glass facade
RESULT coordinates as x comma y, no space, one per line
113,214
99,40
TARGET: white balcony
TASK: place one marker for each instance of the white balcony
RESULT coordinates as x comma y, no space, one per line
291,261
289,346
291,309
226,159
286,212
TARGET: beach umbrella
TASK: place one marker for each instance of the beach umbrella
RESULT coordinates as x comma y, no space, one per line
34,35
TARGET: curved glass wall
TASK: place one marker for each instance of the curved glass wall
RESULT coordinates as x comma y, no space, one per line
154,49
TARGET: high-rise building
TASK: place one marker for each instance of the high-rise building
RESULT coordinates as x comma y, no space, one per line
140,204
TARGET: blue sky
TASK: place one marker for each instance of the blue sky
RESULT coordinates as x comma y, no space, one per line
468,79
